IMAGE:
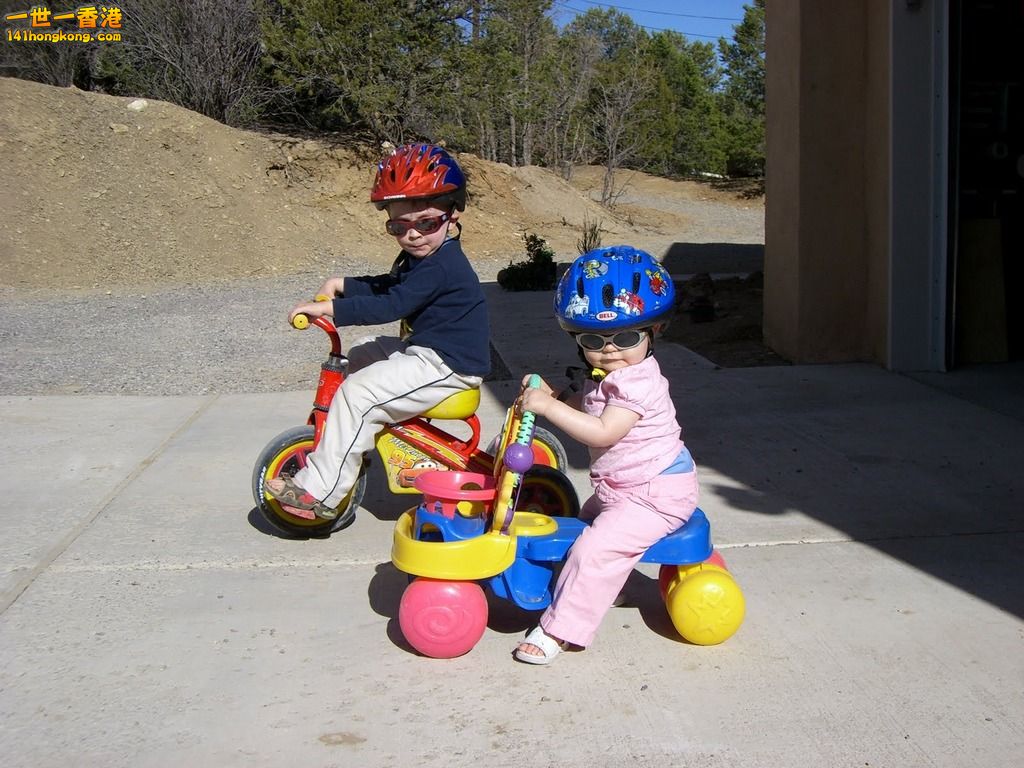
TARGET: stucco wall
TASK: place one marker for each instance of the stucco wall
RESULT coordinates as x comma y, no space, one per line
782,178
826,230
877,165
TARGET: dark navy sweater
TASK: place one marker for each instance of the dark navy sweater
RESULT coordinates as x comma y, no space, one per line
440,299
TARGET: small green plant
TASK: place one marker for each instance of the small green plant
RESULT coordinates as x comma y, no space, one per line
591,237
537,273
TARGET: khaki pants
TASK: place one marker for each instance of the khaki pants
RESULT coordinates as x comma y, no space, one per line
388,381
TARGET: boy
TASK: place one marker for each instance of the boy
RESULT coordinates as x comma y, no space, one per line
444,347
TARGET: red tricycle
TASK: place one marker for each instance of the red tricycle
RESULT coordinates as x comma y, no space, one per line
407,450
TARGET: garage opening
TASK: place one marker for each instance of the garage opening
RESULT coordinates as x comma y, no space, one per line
986,317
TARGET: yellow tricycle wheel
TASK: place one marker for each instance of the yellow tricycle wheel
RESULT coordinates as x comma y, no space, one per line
706,605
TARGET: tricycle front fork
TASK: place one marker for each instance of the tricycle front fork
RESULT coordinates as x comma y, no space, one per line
332,374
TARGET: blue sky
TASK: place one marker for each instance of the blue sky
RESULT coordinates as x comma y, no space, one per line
686,16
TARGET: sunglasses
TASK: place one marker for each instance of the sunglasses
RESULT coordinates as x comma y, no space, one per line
424,226
595,342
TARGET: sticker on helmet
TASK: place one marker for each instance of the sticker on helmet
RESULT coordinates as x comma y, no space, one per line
607,315
629,303
658,283
578,305
594,268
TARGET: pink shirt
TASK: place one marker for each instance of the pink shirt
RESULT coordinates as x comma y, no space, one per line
653,443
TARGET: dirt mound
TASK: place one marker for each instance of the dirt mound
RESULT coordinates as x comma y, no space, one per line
114,195
108,192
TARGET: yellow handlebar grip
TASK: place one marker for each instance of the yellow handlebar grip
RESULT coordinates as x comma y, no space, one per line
301,322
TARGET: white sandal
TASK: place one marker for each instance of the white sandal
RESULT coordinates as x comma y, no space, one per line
549,647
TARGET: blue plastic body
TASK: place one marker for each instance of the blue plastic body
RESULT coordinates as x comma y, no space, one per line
431,524
528,581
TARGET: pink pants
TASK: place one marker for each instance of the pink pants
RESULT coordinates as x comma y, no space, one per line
626,521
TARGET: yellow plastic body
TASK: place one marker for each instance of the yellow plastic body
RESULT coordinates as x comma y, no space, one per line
479,558
402,462
469,560
532,524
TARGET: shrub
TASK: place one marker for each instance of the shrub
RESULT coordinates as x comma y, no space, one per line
591,237
537,273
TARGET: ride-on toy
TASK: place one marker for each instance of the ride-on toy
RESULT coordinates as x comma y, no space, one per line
407,449
469,532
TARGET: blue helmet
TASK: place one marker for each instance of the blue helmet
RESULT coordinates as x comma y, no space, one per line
617,288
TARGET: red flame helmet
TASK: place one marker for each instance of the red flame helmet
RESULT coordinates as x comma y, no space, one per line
416,172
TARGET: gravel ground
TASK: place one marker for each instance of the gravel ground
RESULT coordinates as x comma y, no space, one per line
192,340
216,337
226,337
179,341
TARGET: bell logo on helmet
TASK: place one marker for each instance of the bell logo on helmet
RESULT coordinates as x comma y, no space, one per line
607,315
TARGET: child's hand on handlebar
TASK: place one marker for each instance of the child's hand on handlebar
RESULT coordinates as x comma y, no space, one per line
333,286
311,309
542,385
536,399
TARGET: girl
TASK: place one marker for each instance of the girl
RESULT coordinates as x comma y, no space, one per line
613,301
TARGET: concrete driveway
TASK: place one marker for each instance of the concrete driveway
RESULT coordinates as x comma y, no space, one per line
874,522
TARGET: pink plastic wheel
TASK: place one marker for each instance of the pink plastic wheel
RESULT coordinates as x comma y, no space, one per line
442,619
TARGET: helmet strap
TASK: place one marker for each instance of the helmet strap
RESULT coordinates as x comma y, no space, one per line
457,235
588,371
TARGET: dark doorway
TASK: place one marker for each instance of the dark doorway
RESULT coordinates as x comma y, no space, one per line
986,321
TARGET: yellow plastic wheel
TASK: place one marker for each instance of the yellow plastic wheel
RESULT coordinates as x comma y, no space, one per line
706,605
286,454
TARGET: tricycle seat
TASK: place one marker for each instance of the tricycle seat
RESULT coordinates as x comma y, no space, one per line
690,543
527,581
461,405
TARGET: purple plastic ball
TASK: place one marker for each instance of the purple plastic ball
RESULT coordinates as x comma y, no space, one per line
518,458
